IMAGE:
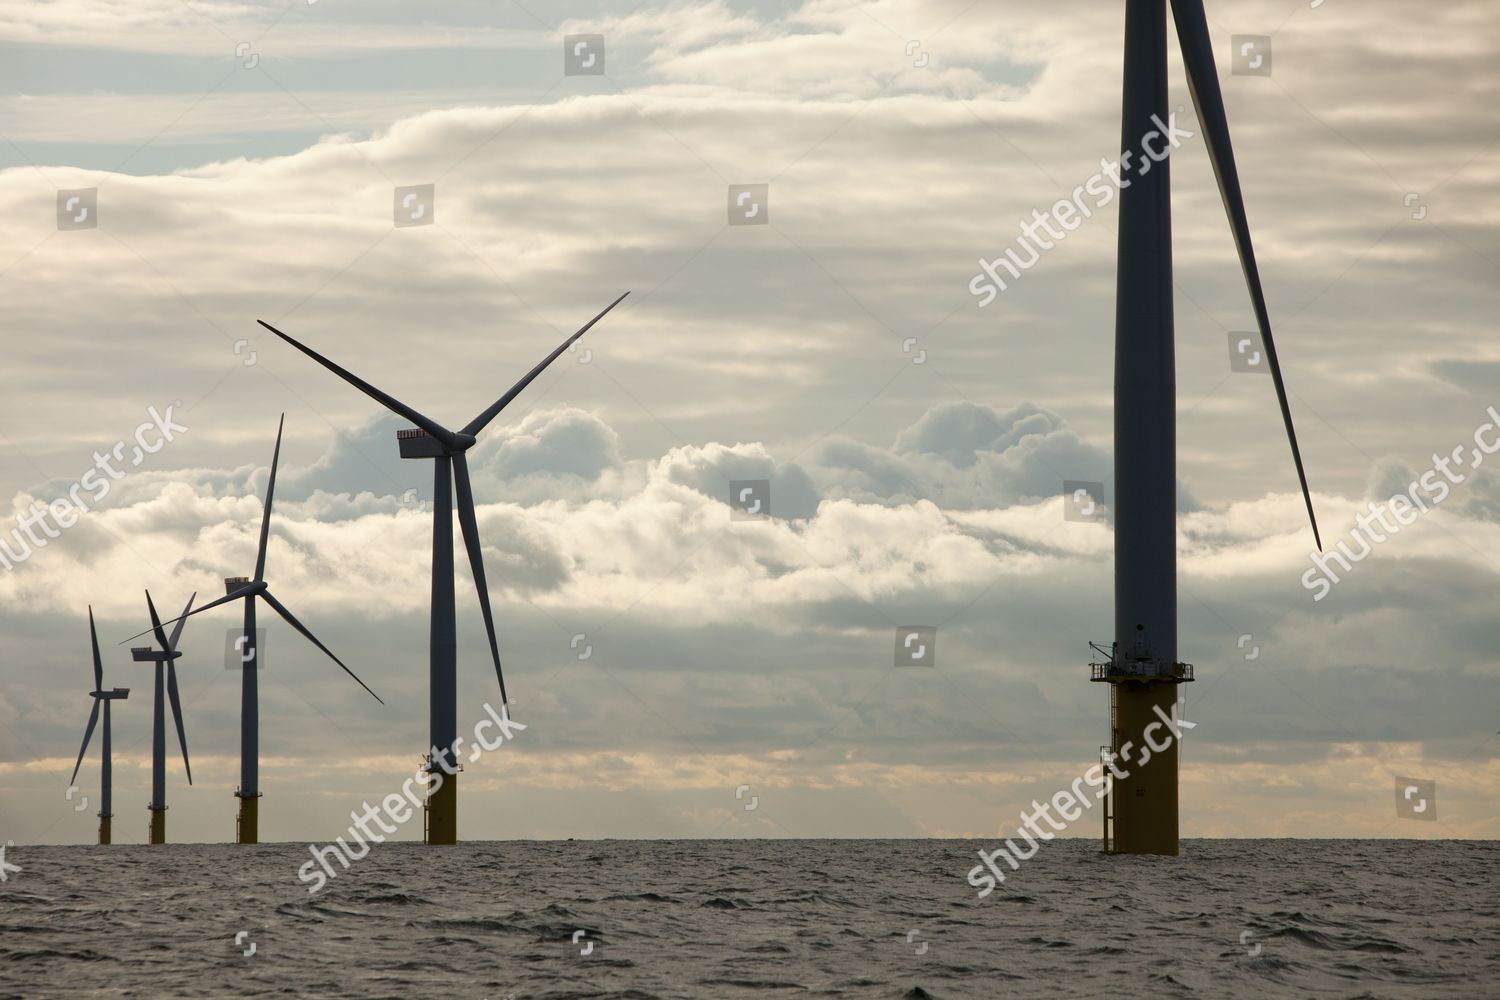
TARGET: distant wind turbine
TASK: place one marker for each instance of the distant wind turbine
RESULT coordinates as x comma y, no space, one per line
166,656
248,589
451,468
1140,816
106,771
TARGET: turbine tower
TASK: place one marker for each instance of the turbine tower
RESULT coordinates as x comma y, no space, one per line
164,657
106,772
446,448
247,827
1142,669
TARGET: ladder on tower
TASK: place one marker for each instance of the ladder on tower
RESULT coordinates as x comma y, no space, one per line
426,799
1109,804
1106,757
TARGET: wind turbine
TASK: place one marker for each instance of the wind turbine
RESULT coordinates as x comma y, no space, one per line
1142,670
429,439
164,657
106,772
248,589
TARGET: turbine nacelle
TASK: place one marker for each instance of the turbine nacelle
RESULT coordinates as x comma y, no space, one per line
111,695
150,654
242,586
417,443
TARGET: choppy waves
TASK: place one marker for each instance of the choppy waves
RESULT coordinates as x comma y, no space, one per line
691,919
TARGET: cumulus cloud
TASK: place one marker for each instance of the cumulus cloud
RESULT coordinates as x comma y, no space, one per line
567,522
965,456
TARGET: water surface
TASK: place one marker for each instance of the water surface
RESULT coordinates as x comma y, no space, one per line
741,918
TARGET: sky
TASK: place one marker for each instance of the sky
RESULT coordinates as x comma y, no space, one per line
673,664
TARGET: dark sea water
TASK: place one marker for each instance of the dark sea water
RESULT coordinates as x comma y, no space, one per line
739,918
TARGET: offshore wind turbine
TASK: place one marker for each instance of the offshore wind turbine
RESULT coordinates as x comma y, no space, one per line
446,448
164,657
1143,671
247,827
106,772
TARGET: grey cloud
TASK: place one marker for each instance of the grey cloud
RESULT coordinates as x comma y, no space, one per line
572,442
711,469
966,456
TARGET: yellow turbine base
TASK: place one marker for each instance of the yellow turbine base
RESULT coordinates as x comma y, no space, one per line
1145,801
442,812
158,826
247,830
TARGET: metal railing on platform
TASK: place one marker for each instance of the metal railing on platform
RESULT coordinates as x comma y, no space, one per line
1146,671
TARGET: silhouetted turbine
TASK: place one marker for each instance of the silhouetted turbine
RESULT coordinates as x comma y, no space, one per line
166,655
106,764
1143,670
451,468
241,588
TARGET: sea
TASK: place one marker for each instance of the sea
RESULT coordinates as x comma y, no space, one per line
745,918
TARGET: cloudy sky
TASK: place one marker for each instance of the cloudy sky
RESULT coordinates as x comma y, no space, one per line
245,156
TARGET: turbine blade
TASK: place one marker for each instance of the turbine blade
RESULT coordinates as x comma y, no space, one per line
478,423
470,528
98,664
177,717
294,623
265,517
204,607
1203,82
161,635
87,735
182,620
385,399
